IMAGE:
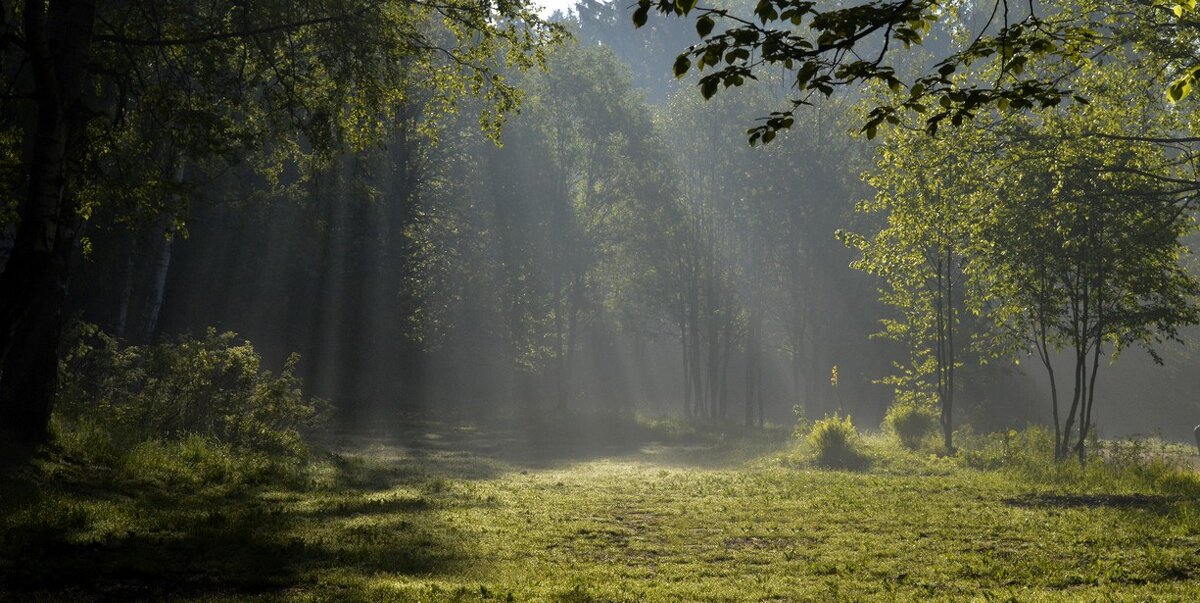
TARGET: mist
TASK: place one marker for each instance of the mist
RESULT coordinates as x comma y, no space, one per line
599,302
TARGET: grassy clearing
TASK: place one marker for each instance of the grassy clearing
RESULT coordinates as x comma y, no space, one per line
444,514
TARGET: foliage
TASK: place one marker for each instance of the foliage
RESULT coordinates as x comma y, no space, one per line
211,387
835,442
824,47
1061,230
911,422
1084,252
802,425
924,189
290,87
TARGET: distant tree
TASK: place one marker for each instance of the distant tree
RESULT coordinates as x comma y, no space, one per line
596,129
531,243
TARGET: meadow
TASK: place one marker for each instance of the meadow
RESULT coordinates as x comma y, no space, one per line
661,513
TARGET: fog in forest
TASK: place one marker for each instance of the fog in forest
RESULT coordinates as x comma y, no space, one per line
615,247
596,301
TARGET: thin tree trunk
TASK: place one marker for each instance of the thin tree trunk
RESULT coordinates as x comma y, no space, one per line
687,378
122,322
162,264
751,368
948,405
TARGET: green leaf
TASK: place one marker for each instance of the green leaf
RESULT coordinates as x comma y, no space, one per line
704,26
1177,91
682,64
639,15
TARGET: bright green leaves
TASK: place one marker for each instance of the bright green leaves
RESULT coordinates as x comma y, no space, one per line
1182,86
1177,7
684,7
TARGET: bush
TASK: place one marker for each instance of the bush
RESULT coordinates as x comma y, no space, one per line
212,387
1029,450
835,442
911,422
803,425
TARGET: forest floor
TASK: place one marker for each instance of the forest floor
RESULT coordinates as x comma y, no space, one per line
462,514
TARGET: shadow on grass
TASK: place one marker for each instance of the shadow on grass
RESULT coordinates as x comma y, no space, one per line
75,529
1158,503
70,538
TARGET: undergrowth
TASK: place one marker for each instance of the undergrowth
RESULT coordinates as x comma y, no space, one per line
117,396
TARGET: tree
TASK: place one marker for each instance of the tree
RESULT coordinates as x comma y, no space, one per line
1066,232
85,76
924,188
596,129
1087,260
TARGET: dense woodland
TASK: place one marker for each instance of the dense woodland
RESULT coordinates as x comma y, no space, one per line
464,300
472,213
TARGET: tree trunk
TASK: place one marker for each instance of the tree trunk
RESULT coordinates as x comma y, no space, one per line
33,288
162,263
120,328
687,376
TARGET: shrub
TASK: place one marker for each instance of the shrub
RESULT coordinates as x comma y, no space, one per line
1029,450
835,442
213,387
911,422
803,425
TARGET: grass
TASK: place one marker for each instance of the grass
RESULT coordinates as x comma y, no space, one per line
444,514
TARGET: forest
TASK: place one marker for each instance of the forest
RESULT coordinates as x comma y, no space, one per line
590,301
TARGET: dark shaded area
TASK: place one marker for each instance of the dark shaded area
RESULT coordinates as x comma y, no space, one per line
260,537
1158,503
191,542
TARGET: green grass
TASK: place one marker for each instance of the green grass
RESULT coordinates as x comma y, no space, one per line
444,514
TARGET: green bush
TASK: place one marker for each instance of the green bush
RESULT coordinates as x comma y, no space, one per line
911,422
213,387
835,442
803,425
